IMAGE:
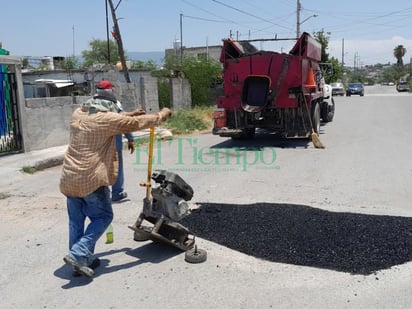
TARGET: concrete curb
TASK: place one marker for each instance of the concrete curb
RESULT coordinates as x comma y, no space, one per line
48,162
54,156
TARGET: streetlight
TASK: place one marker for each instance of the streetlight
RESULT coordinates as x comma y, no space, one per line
300,23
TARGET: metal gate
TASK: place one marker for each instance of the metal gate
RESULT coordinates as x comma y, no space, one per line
10,133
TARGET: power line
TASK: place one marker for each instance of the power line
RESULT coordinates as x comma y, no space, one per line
211,13
249,14
223,19
204,19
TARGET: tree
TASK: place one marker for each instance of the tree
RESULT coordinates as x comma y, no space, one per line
336,72
336,68
25,63
390,74
398,52
149,65
323,39
70,63
98,53
201,73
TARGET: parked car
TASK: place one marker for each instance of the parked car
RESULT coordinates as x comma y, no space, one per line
355,88
338,89
402,85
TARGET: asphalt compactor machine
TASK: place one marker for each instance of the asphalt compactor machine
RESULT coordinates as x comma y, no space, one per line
164,205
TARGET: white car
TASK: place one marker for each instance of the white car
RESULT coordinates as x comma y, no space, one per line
338,89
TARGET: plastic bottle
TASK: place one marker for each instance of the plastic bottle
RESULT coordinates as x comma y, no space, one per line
109,234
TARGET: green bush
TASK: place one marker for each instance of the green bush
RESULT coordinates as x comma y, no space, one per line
163,89
190,120
201,74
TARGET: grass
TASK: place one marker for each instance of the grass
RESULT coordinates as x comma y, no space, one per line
28,169
3,196
191,120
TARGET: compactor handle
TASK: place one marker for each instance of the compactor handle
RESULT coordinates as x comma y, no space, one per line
148,183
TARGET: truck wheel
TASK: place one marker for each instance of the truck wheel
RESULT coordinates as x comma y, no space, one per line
328,111
315,111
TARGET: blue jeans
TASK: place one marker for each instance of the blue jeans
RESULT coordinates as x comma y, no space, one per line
97,207
118,186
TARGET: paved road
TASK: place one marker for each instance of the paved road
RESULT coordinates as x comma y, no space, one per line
361,183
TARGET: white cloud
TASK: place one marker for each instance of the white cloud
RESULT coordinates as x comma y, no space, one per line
369,51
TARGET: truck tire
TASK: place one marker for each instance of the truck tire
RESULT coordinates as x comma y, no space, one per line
328,111
315,111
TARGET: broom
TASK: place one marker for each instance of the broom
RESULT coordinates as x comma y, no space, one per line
314,137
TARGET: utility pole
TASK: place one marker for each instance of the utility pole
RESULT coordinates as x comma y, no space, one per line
181,41
343,53
298,8
298,22
107,34
354,61
74,48
118,38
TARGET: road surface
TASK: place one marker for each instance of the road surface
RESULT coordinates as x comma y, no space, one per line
284,225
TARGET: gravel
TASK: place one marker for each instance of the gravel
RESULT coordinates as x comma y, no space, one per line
302,235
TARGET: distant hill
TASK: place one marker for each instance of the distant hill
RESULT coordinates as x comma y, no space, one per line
156,56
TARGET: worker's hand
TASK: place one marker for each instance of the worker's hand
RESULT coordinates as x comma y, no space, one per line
165,113
131,145
138,112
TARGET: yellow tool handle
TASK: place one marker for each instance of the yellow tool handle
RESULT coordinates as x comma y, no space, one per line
148,182
150,163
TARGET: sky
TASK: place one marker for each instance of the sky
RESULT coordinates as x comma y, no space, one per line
361,32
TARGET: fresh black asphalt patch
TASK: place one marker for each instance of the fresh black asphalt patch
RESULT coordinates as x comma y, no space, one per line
302,235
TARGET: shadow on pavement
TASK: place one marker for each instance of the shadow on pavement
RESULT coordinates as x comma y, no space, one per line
302,235
148,253
264,139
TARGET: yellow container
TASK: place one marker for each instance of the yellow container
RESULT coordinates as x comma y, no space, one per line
109,234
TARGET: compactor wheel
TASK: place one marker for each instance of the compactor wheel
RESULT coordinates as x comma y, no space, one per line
195,255
141,235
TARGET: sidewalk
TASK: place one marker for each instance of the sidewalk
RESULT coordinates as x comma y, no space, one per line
12,165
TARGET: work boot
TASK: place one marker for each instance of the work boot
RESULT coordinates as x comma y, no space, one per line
93,265
119,197
80,268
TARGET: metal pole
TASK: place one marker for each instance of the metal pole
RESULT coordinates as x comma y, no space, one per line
74,49
181,40
298,8
107,33
354,60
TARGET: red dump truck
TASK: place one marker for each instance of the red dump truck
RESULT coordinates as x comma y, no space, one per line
281,92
